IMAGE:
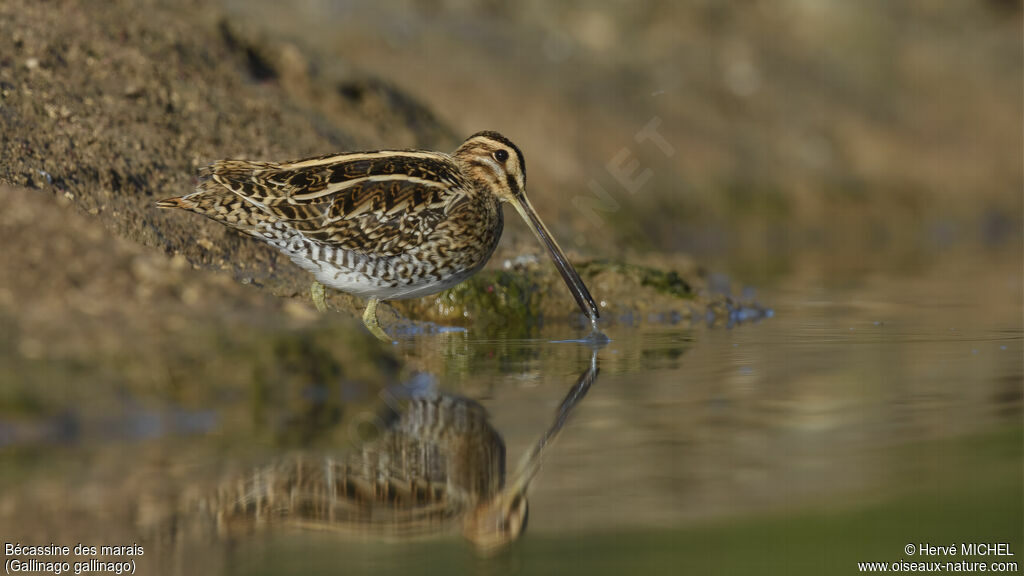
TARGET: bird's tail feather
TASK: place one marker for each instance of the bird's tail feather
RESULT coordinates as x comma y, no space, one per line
176,202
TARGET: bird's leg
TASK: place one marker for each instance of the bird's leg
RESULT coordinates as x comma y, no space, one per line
370,320
317,292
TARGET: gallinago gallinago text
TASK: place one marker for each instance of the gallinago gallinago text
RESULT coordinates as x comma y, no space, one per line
384,225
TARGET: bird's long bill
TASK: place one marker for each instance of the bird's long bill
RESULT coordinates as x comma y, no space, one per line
569,274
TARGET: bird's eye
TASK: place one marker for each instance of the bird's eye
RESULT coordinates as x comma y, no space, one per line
501,155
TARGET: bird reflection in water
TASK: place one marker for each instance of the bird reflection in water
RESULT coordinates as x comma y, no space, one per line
439,466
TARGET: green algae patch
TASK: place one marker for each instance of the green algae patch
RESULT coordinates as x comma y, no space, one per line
667,282
490,299
524,296
514,296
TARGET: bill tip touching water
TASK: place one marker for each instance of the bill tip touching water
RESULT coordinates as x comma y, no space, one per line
386,224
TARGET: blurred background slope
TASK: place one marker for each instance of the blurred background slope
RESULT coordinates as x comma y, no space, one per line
798,122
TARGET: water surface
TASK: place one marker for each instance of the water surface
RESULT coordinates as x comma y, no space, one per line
871,410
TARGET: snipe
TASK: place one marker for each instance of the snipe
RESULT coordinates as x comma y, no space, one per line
384,225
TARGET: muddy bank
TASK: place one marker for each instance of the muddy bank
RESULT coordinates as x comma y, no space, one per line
114,105
90,321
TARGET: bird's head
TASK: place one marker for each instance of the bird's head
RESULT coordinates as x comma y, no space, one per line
494,526
494,161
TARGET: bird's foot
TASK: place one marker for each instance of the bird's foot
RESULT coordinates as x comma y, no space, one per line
319,300
370,320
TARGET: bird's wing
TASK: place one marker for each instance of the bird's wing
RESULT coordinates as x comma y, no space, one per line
375,202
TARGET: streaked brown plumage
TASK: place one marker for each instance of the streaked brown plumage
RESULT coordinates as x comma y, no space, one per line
383,225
